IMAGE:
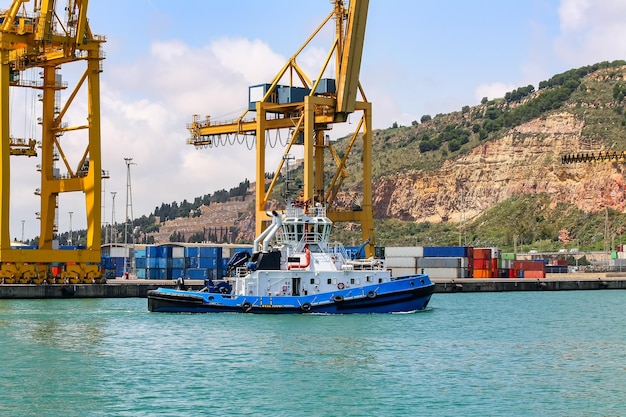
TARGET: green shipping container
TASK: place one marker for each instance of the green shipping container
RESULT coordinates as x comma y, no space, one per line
509,256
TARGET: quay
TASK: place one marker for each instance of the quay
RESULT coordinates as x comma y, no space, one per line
121,288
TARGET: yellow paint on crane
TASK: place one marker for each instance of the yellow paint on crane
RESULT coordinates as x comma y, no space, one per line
27,42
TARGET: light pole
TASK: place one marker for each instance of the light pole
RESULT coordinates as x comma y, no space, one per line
112,214
70,240
23,221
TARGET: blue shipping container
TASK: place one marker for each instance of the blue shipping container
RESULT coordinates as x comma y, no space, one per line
191,252
197,273
191,262
210,263
156,273
225,263
210,252
141,262
249,250
178,263
141,273
177,273
445,251
140,253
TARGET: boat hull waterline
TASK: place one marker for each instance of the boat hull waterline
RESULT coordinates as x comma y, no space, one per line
403,294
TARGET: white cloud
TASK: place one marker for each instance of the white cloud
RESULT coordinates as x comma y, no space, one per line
573,14
492,90
591,31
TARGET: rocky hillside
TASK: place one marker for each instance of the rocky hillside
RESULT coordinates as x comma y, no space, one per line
458,167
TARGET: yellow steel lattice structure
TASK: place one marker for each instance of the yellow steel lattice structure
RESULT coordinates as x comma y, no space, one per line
46,39
322,103
600,156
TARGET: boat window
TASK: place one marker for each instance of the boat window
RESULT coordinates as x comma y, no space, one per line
329,281
312,280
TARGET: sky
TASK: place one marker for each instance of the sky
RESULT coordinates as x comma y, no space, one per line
166,61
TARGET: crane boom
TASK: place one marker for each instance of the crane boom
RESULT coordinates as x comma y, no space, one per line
350,63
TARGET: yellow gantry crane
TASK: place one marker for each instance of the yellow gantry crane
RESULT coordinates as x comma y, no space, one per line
47,39
308,110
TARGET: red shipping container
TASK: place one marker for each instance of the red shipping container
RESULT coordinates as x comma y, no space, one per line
512,273
481,264
534,274
482,253
529,266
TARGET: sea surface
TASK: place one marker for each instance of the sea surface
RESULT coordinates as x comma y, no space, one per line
480,354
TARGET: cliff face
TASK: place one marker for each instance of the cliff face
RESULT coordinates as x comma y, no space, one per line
526,160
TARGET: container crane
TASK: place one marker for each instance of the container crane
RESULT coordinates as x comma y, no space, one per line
43,40
308,110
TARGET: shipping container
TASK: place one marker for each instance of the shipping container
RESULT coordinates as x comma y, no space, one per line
481,263
482,273
401,272
210,263
210,252
508,256
191,252
557,269
141,262
534,274
529,265
482,253
439,262
445,251
443,273
197,273
141,273
119,251
400,262
191,262
177,273
404,251
178,251
178,263
508,264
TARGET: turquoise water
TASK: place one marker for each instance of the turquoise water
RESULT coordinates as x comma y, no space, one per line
486,354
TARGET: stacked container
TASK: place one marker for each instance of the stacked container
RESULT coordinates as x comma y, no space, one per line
482,263
530,269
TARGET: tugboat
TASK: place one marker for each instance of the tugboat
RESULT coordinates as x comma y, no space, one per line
296,270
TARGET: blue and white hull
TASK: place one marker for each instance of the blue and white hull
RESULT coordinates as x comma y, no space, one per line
404,294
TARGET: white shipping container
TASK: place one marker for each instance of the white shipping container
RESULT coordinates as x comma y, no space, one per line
507,264
400,262
118,252
446,272
404,251
621,255
400,272
178,251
